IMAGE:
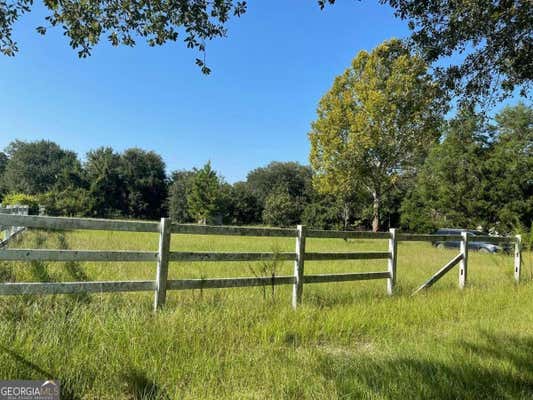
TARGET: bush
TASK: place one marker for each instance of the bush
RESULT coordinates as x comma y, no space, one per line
70,203
21,199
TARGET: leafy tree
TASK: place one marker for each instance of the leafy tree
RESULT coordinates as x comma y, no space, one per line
375,124
145,182
39,167
178,194
450,187
245,205
85,22
509,170
291,177
3,163
107,189
494,35
204,194
282,209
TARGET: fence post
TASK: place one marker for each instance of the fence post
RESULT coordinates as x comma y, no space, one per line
393,250
517,257
162,263
463,264
298,286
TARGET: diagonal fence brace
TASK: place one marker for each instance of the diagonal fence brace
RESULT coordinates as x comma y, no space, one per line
440,273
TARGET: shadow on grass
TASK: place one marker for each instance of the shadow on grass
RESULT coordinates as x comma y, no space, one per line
75,270
141,387
30,370
468,375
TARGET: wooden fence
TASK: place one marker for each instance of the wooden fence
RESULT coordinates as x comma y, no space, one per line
7,232
164,255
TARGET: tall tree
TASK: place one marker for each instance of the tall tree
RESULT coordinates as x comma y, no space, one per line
509,170
375,124
107,189
178,194
246,208
39,167
3,163
204,194
145,181
451,188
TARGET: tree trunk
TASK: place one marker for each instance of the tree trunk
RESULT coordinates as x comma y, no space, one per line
375,212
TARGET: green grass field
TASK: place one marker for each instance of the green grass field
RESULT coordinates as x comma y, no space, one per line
347,341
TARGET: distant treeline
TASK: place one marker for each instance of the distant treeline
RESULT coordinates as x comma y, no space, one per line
478,174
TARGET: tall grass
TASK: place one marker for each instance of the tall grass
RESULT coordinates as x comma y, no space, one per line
348,340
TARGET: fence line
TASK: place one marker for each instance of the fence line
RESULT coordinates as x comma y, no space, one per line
161,284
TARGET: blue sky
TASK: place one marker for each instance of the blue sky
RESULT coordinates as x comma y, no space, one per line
255,107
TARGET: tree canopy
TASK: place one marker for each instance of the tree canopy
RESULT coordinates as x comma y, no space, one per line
375,124
124,22
479,175
204,194
495,36
38,167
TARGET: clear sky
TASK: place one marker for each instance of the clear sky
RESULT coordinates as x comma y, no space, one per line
255,107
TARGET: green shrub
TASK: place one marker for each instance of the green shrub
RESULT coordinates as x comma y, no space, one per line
21,199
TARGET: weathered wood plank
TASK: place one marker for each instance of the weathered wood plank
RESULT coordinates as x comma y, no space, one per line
317,233
34,221
75,255
357,276
408,237
391,263
440,273
220,256
517,257
491,239
74,287
361,255
160,294
298,287
463,263
220,283
231,230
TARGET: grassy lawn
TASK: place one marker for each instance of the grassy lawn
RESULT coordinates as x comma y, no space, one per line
348,340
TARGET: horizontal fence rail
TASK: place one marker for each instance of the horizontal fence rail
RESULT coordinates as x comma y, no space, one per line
315,233
164,256
231,230
216,256
76,255
361,255
357,276
75,287
220,283
34,221
407,237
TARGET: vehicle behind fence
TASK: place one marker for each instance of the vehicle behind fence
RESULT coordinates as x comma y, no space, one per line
161,258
